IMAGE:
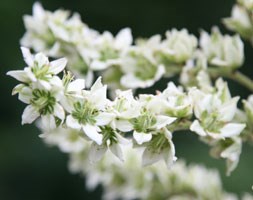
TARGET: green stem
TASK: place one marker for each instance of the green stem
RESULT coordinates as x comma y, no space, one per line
242,79
233,75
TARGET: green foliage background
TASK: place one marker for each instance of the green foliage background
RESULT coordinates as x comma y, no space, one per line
29,170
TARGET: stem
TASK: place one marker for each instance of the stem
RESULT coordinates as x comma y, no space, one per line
242,79
235,76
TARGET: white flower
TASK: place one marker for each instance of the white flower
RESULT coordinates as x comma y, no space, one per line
110,49
222,51
240,22
179,46
91,130
147,123
140,69
45,104
175,102
215,112
89,113
230,149
112,140
68,30
159,148
149,46
39,72
38,35
125,107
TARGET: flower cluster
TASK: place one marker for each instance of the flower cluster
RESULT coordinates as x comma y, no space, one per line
122,63
129,180
122,134
65,108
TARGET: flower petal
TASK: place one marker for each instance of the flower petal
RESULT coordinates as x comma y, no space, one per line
41,59
97,65
28,57
29,115
72,123
48,122
76,85
150,156
104,118
169,154
162,121
97,85
44,85
25,95
232,129
20,75
196,127
59,111
228,110
38,11
96,152
142,137
123,125
124,38
92,133
116,150
57,66
30,74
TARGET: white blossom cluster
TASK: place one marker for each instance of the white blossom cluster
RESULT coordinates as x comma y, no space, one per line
129,180
120,136
150,119
122,63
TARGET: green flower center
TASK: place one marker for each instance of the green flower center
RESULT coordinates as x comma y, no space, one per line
144,68
108,135
108,53
85,113
41,72
44,101
210,123
144,122
158,143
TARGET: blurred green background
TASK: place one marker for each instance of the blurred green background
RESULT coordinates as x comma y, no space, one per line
29,170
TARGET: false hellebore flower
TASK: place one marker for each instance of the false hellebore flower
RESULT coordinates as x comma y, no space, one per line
230,149
89,112
160,147
125,108
39,72
110,49
38,35
178,47
240,21
175,102
215,112
140,69
222,51
40,89
149,131
149,120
